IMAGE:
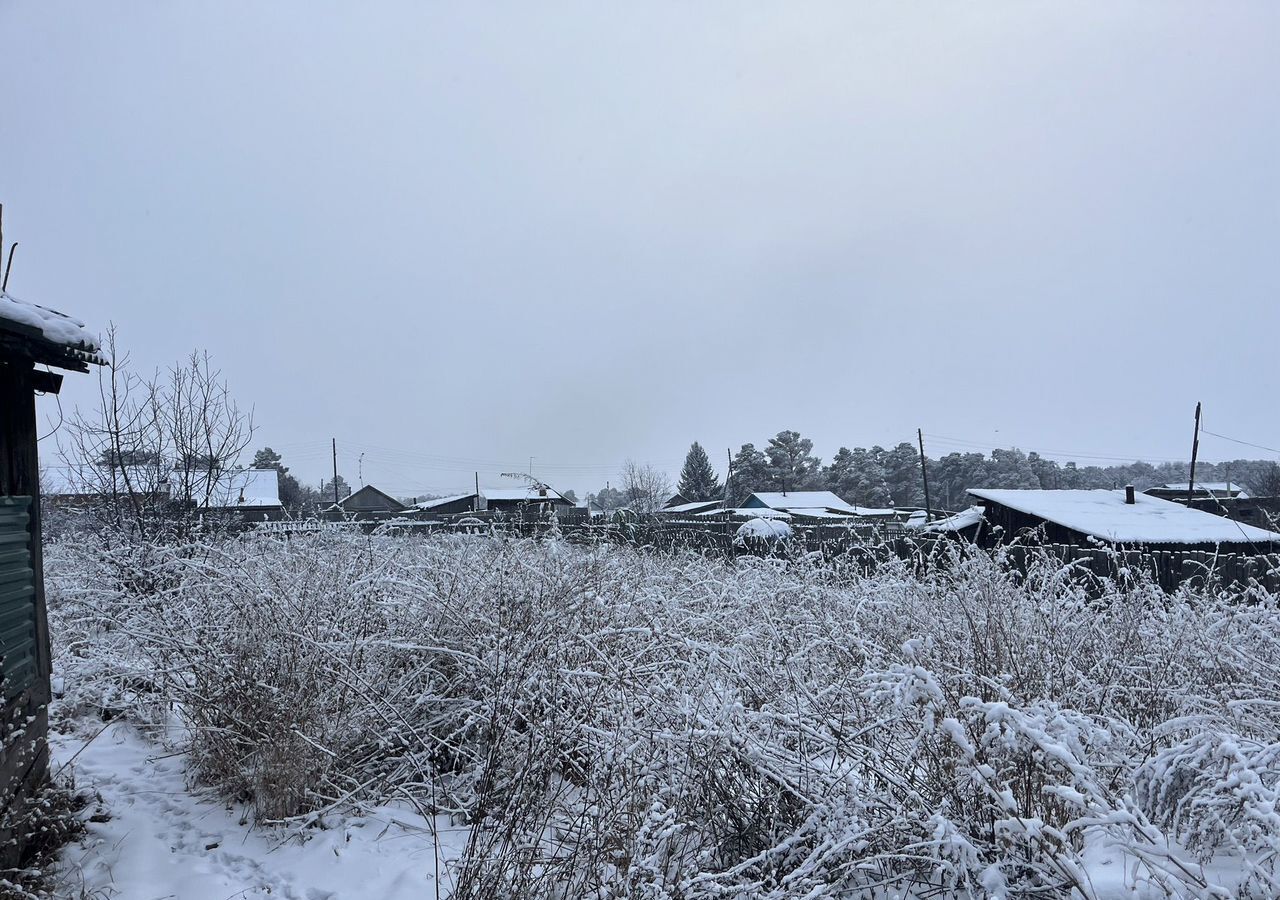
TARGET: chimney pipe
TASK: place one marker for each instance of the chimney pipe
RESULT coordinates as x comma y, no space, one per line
1128,494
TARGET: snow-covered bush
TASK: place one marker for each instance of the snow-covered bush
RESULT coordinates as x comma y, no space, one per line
616,723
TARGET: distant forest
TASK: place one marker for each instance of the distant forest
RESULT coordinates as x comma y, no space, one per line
878,477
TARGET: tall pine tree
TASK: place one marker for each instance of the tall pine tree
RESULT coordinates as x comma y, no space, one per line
698,481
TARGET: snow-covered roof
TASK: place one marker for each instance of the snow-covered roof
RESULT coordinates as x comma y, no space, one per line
820,512
966,518
521,494
240,488
789,500
745,512
1225,488
1148,520
805,503
442,501
696,506
53,326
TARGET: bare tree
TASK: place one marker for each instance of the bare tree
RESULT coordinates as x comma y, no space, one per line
645,487
154,447
207,430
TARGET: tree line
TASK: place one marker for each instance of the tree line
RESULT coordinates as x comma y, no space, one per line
882,477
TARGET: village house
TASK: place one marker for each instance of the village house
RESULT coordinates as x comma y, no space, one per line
252,494
451,505
30,336
531,498
1121,518
368,503
815,505
539,498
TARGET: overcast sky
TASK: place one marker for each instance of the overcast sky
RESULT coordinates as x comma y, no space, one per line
454,236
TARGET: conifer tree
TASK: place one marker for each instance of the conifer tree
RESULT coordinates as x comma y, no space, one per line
698,480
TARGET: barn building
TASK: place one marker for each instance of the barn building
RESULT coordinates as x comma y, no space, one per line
1119,518
30,336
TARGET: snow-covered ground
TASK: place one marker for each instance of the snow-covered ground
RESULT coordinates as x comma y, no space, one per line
164,840
621,723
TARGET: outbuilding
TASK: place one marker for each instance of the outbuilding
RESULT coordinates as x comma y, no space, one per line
30,336
1119,518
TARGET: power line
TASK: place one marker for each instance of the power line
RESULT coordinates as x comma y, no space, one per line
1204,430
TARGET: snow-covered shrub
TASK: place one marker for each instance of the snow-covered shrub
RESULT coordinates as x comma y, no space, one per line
617,723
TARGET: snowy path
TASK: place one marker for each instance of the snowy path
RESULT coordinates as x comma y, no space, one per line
164,842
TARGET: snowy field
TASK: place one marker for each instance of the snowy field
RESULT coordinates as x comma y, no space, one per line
335,716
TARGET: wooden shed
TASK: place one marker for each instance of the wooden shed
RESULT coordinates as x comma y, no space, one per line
30,337
1116,518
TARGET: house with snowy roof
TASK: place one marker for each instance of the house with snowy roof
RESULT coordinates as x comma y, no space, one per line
528,497
814,505
368,503
1203,490
1121,518
450,505
254,494
30,336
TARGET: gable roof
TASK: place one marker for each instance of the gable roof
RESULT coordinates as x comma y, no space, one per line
787,500
371,492
46,335
1105,515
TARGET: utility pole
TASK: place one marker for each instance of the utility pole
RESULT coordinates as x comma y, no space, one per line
475,504
1195,451
728,475
335,471
924,473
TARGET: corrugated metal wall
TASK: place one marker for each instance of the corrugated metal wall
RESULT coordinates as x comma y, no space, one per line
17,597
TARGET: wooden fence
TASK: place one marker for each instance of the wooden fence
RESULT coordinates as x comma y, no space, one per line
867,545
